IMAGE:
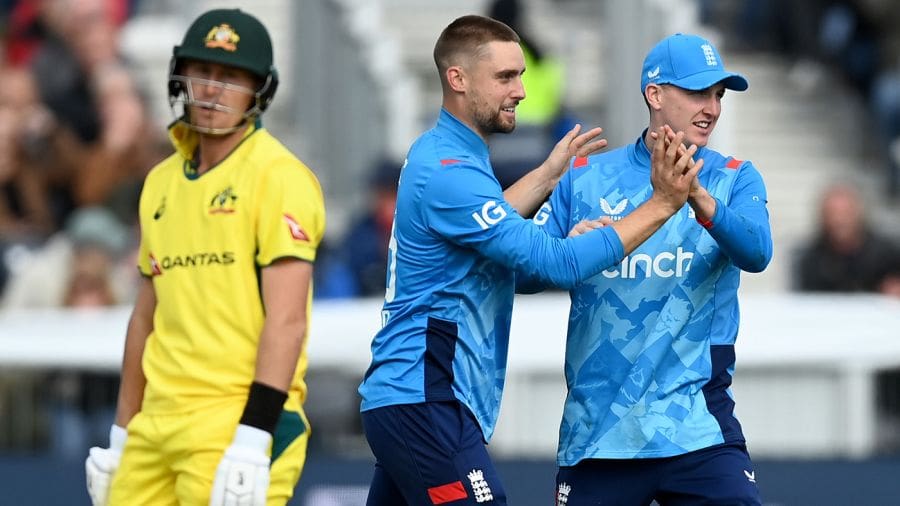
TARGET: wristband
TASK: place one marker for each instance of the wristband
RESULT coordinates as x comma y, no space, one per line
117,437
264,406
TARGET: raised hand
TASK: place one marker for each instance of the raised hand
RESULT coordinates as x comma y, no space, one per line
698,198
585,226
673,171
574,144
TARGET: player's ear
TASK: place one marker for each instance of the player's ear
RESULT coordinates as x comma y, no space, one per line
653,94
456,78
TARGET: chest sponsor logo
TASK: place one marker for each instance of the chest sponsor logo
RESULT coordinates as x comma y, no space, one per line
613,212
194,260
663,265
223,202
491,213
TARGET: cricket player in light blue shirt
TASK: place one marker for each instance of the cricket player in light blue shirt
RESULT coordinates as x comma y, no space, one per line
431,396
650,349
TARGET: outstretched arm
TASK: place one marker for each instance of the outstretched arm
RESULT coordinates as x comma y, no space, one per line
528,193
672,174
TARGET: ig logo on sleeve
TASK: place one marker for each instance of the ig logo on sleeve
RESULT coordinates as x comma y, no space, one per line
491,213
543,214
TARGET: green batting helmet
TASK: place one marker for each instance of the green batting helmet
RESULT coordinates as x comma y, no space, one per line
229,37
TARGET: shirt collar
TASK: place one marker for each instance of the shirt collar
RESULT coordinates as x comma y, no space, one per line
461,132
185,142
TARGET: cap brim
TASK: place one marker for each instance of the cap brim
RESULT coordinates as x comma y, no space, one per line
703,80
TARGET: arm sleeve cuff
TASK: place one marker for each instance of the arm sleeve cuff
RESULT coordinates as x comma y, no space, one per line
717,216
596,251
264,406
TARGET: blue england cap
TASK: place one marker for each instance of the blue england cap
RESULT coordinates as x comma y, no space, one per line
689,62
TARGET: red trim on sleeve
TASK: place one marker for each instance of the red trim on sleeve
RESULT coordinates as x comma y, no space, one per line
581,161
446,493
449,161
734,163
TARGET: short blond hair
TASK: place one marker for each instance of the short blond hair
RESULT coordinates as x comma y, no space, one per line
465,38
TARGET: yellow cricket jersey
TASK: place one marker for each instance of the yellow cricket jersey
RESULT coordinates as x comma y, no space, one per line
204,240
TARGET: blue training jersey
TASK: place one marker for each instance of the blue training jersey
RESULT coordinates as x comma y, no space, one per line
650,347
454,247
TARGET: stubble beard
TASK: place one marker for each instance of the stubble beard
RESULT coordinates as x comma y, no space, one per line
488,120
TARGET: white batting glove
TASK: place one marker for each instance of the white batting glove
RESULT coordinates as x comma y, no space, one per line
242,478
102,463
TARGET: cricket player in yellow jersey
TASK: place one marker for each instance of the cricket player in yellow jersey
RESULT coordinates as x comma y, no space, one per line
210,404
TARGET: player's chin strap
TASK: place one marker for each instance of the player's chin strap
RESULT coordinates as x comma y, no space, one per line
248,118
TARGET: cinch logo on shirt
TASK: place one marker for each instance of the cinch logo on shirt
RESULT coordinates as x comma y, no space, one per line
491,213
664,265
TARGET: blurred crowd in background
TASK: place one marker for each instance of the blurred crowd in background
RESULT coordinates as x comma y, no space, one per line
76,140
856,40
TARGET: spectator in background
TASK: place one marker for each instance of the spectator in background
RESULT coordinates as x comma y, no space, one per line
356,266
25,214
541,118
70,113
884,98
91,251
85,402
885,104
104,143
847,255
92,143
846,41
83,266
